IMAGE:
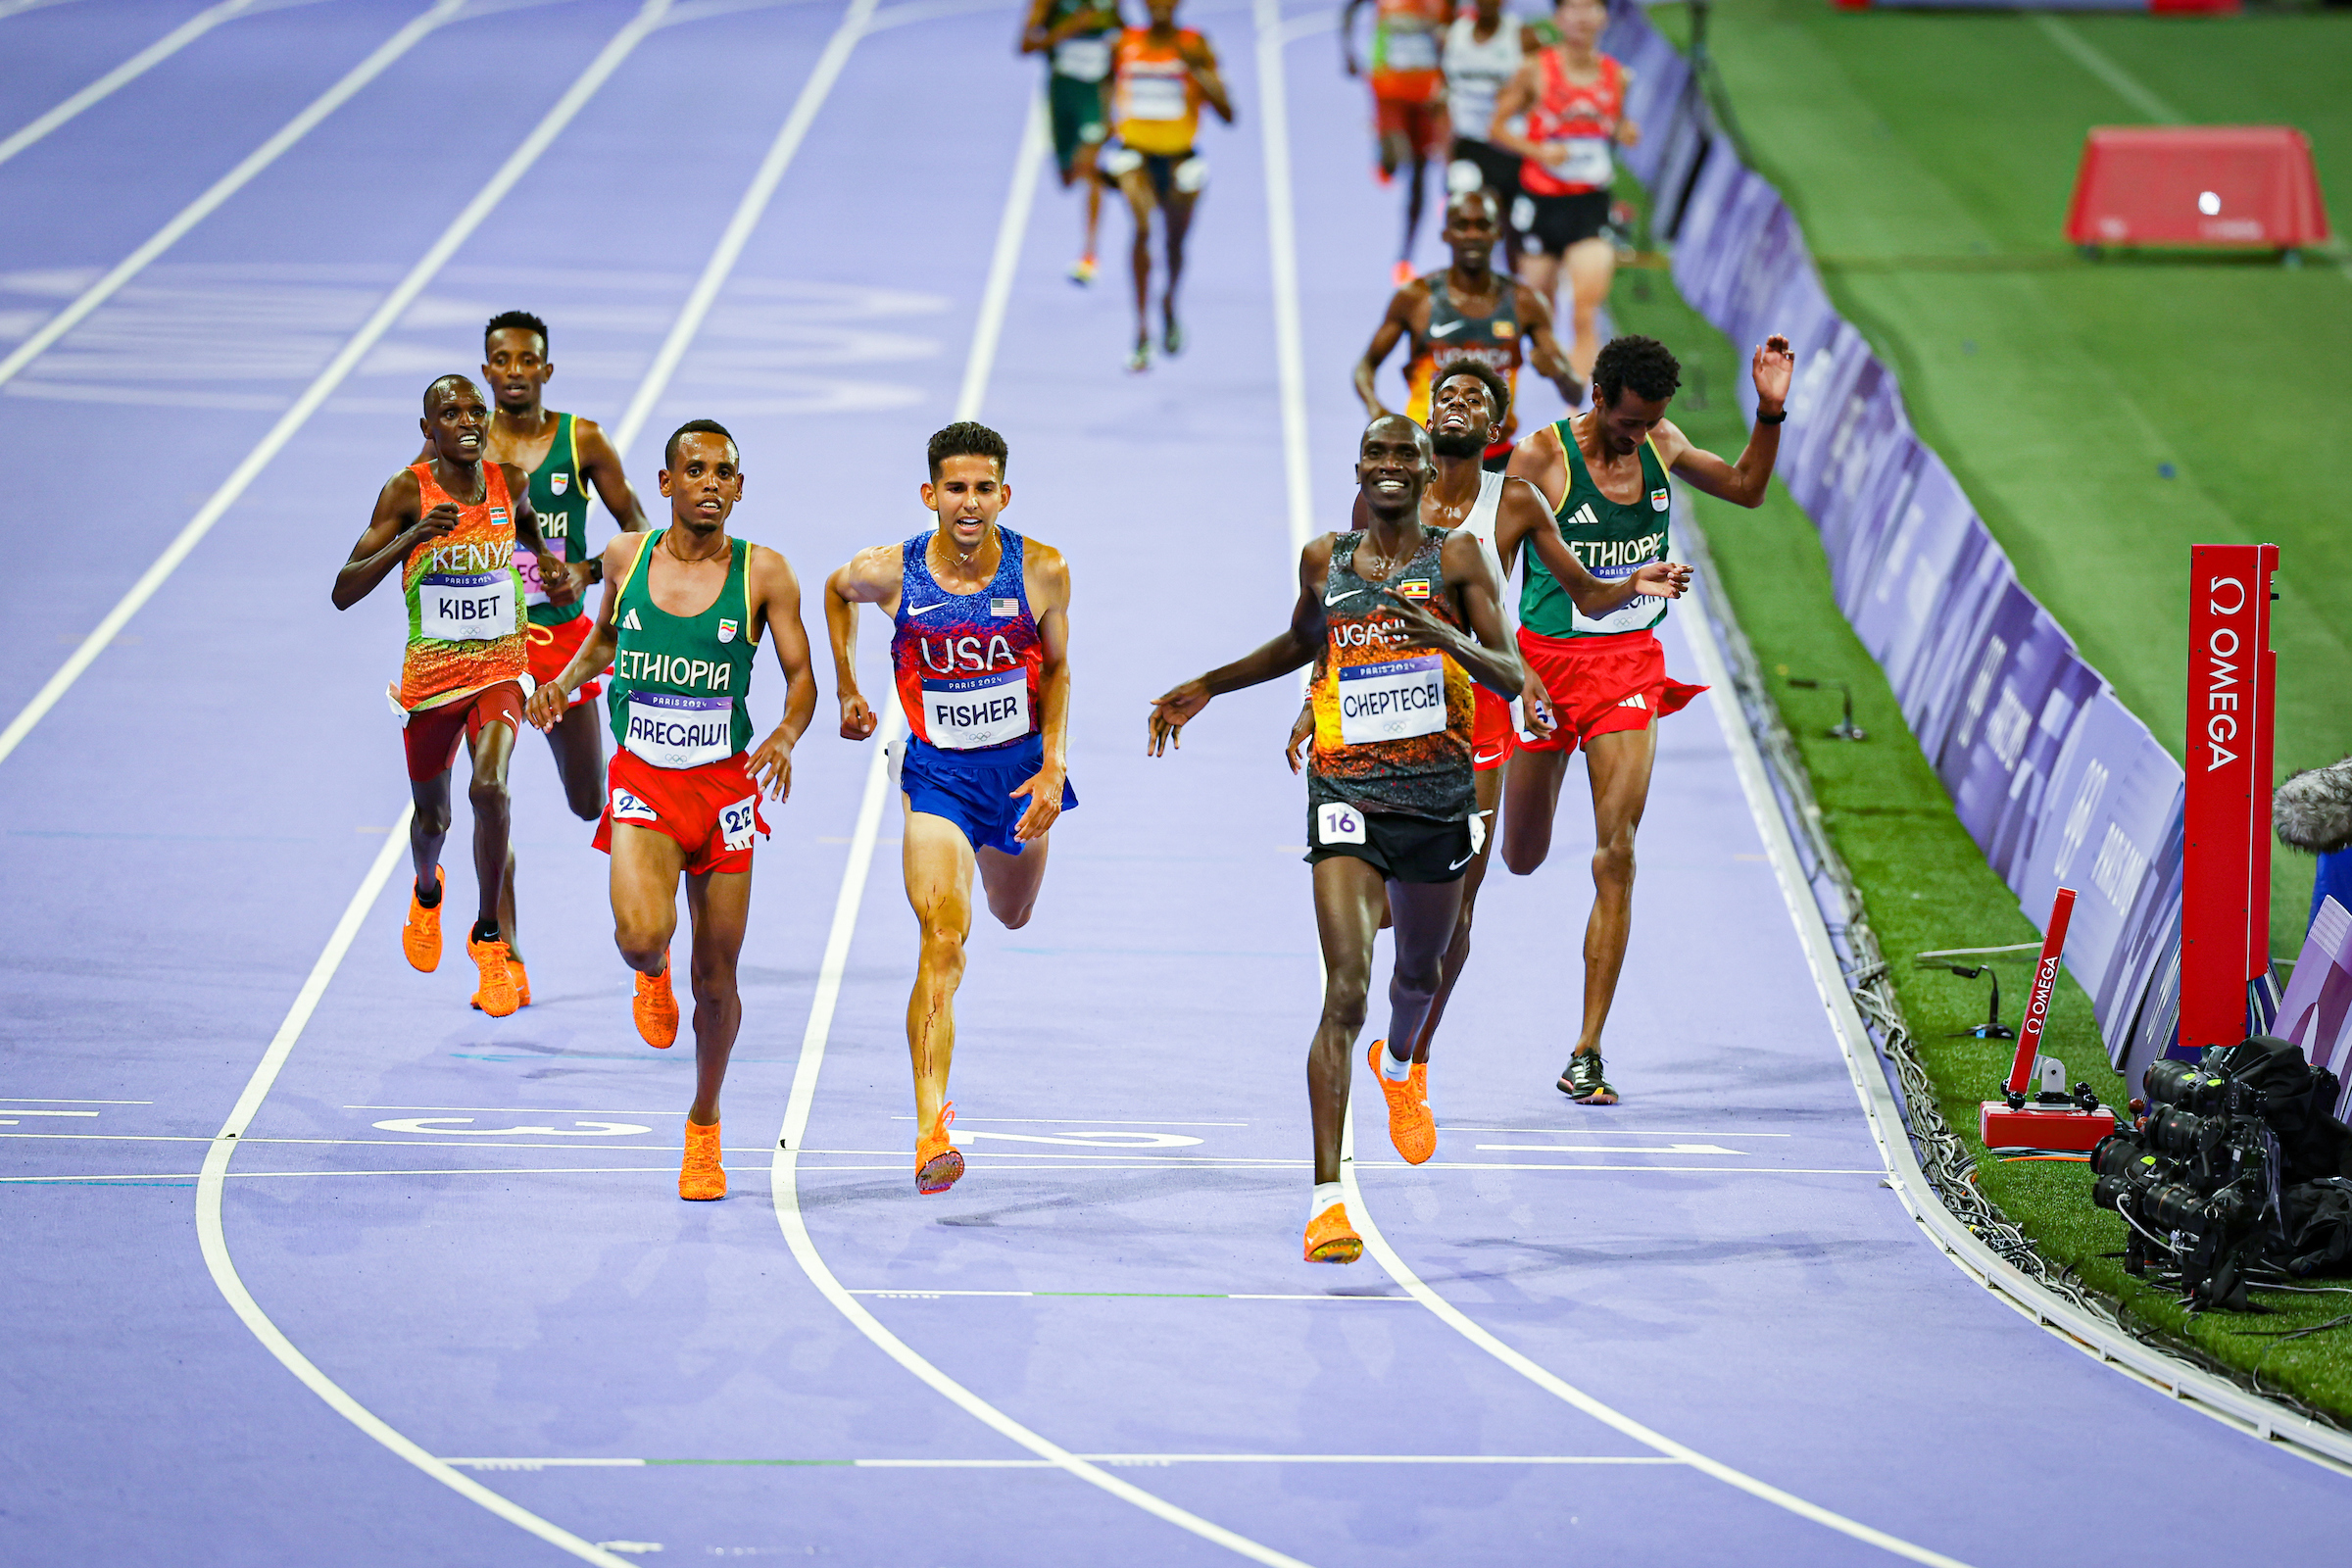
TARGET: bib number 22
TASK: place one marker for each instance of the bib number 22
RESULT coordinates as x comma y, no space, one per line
739,821
1338,824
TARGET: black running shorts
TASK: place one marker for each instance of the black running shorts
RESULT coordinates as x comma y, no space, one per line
1403,848
1548,224
1497,170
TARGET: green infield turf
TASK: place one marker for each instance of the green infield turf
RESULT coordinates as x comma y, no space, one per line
1930,158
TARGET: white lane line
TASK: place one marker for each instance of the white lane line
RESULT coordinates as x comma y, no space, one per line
1154,1459
1091,1121
1139,1296
2091,58
1286,283
1281,255
522,1111
1605,1132
38,1099
747,216
784,1178
436,15
20,1110
1609,1149
11,8
346,360
128,72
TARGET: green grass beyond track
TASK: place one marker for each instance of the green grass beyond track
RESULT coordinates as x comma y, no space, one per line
1930,158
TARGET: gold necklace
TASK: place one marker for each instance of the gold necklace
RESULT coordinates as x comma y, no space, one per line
991,577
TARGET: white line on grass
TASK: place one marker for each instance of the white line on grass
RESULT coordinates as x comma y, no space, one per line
785,1172
1275,128
2091,58
346,360
434,17
128,72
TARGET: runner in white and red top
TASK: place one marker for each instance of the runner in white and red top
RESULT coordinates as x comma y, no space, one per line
1573,98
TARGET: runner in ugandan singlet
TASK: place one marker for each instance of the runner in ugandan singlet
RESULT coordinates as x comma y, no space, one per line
1494,340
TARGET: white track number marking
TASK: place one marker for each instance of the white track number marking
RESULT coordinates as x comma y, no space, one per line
1614,1149
1086,1140
444,1125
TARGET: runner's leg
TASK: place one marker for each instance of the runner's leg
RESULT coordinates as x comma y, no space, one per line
1488,784
1176,222
579,744
1540,272
428,828
1012,881
1592,268
1426,916
1531,794
939,865
1349,897
718,903
1136,186
646,866
1619,763
493,814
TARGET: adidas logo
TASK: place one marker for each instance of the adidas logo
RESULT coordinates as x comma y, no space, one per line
628,623
1634,700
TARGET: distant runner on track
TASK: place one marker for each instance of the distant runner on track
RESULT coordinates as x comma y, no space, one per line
1484,50
1404,619
683,614
1076,37
980,655
1603,475
1162,76
1468,311
451,525
563,454
1409,97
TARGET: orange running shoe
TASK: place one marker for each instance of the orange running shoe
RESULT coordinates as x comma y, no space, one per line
656,1010
701,1177
1419,1079
937,1162
1330,1239
497,993
1410,1128
522,986
420,937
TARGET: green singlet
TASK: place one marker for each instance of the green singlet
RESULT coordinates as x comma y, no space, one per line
1613,539
679,681
560,495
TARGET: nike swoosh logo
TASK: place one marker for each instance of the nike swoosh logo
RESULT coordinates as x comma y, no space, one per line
1464,860
1447,330
1331,598
926,610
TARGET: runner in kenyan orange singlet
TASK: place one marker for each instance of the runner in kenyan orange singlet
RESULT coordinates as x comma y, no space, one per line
1408,96
451,525
683,614
1405,619
1604,475
1160,77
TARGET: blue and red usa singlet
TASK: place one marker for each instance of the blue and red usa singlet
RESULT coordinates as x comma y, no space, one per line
967,664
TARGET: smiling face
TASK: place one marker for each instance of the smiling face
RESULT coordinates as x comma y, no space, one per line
966,496
456,420
706,482
1392,467
1462,416
515,362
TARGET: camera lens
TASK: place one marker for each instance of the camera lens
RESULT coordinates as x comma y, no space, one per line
2173,1207
2122,1155
2175,1131
2184,1084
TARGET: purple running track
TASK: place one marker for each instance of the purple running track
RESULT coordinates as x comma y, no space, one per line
504,1274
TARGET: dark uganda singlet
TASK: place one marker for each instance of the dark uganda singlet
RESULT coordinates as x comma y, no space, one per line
1492,340
1391,723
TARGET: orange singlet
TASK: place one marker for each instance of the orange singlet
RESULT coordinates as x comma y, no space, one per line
1406,41
1584,115
1156,108
465,597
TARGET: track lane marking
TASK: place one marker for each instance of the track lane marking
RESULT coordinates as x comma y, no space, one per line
784,1171
128,72
1154,1459
347,359
45,336
1275,129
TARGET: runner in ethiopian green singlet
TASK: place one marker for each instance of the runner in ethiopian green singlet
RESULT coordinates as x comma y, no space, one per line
1604,475
1076,37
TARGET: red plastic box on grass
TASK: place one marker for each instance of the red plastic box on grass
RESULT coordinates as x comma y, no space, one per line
2244,186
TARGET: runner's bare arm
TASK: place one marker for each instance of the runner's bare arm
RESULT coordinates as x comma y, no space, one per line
1037,36
1746,482
1517,97
547,703
1406,308
1525,516
1488,652
1348,36
1296,647
1046,578
1544,350
872,578
1540,460
565,588
776,595
601,466
1203,63
393,530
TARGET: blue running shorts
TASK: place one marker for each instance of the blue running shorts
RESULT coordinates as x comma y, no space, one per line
974,789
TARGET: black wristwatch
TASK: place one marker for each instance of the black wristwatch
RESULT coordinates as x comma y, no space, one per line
1770,418
596,569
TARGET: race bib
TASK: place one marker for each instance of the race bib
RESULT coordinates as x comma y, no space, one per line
1410,49
1636,614
1583,160
473,608
534,592
627,807
1393,700
1082,58
672,731
737,822
1338,824
1156,97
963,715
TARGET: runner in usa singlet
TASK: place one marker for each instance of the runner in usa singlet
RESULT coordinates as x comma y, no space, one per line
967,665
464,597
1393,723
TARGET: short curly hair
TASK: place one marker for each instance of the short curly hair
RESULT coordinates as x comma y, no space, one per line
1498,391
966,438
1643,364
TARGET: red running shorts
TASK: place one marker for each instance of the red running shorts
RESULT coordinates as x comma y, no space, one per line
711,810
1600,685
432,734
1491,737
1423,126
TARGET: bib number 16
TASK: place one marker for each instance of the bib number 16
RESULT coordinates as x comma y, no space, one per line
1338,824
